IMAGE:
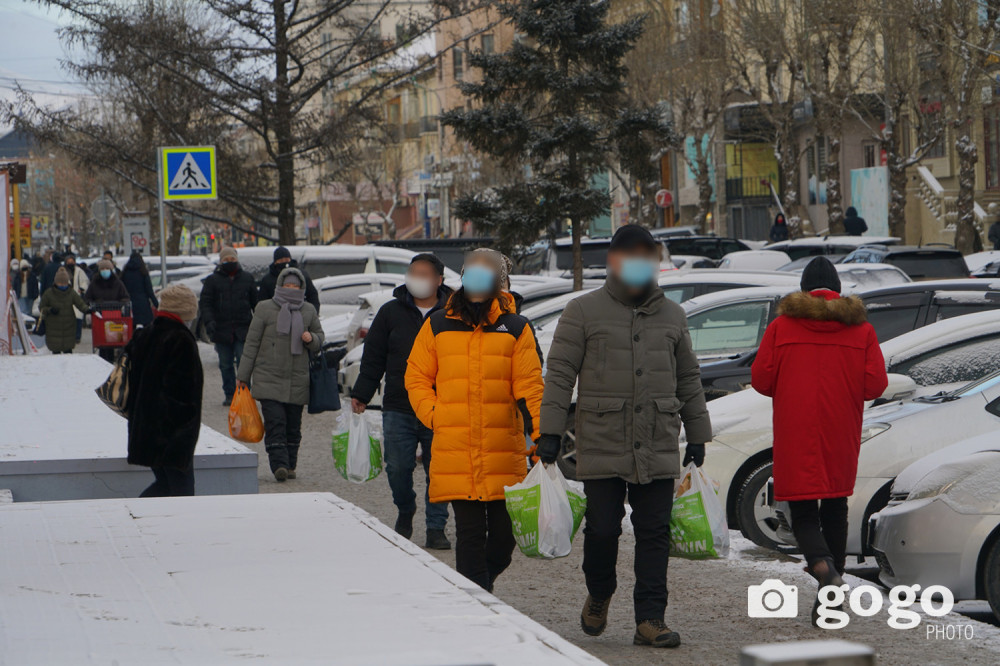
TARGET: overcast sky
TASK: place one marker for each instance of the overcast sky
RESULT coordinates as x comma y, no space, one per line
30,52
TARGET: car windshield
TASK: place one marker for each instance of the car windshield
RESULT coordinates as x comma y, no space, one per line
924,265
977,386
595,255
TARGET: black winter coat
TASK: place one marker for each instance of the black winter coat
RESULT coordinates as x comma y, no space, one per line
265,290
779,232
140,290
226,305
387,346
106,291
49,275
854,225
164,395
32,284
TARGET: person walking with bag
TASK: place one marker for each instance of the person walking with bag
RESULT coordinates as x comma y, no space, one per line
57,306
819,361
275,365
387,346
136,279
165,392
25,285
473,363
105,289
226,306
79,281
628,347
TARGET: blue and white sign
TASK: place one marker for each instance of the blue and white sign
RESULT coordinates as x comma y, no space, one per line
188,172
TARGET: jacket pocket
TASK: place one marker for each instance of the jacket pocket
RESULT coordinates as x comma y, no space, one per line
600,426
667,424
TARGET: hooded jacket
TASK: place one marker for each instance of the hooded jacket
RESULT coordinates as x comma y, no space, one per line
387,346
819,361
779,231
102,291
57,309
639,380
265,289
226,305
465,384
854,225
140,290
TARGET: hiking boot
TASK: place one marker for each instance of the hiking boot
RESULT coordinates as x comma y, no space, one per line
436,540
291,474
404,525
280,474
656,634
594,617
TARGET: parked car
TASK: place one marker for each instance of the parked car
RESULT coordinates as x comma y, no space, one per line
943,354
556,258
711,247
325,260
863,276
920,263
174,262
899,309
828,245
942,524
451,251
341,293
754,260
984,264
174,275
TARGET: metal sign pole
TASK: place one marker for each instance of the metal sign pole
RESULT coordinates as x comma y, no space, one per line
163,224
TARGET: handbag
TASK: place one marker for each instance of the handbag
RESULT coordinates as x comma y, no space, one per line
115,389
324,392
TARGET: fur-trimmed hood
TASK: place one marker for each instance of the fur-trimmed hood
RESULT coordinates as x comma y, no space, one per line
849,311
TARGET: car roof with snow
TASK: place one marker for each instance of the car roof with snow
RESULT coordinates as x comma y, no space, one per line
737,295
852,241
967,284
715,276
940,334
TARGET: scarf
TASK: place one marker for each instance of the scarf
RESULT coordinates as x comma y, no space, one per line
290,316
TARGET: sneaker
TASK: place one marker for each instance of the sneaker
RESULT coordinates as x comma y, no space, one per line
280,474
436,540
656,634
291,474
594,618
404,525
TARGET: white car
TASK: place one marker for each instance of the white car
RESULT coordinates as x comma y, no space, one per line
339,294
754,260
942,525
950,352
863,276
339,259
835,245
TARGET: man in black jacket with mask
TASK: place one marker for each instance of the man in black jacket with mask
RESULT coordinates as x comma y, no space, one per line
387,346
227,302
282,260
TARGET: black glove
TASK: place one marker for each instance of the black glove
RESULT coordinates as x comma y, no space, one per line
547,447
53,311
694,453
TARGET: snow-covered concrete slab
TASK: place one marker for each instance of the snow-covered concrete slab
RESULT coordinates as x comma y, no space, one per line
58,441
270,579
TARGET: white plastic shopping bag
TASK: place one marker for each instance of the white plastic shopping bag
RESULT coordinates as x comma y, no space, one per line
698,528
546,511
357,453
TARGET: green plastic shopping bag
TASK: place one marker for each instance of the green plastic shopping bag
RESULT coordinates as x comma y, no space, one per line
357,453
698,528
546,511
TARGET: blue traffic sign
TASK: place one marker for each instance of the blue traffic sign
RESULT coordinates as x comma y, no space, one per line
188,172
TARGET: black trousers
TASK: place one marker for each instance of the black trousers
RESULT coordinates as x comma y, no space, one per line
820,527
282,433
484,540
171,482
651,504
107,353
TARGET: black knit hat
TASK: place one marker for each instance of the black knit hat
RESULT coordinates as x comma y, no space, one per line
430,259
281,252
632,236
820,274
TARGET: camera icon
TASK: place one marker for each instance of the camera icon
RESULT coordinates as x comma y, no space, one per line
772,598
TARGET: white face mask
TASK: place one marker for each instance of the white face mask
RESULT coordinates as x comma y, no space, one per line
420,287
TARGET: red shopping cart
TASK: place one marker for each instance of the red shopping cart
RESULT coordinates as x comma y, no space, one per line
111,324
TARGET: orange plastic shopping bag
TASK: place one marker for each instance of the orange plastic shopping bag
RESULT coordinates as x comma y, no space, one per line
244,419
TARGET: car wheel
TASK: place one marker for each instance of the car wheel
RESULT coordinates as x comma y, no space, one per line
991,577
567,456
758,520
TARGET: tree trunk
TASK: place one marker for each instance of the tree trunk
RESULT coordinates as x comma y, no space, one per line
788,163
704,180
834,193
283,129
576,226
966,228
174,231
897,194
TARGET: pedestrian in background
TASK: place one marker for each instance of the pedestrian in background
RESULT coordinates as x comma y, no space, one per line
387,346
854,225
628,348
57,308
471,365
165,395
53,261
110,256
25,285
106,289
275,366
282,260
819,361
228,298
78,282
15,267
136,279
779,230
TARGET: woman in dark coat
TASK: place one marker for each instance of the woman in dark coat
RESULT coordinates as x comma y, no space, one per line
779,231
57,306
165,395
104,289
135,277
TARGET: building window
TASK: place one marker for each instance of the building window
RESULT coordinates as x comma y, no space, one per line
991,141
488,45
870,151
457,63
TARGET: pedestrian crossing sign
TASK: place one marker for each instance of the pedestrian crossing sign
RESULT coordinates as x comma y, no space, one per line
188,172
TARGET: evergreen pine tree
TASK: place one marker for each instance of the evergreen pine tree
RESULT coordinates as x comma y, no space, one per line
553,110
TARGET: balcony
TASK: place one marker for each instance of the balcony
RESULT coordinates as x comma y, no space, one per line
747,188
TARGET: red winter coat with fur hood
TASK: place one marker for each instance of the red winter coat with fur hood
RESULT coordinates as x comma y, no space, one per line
819,361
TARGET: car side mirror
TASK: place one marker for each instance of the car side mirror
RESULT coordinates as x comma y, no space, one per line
900,387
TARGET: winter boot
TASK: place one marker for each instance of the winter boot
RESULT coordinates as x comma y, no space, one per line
436,540
293,458
656,634
825,573
594,618
404,525
277,458
281,474
291,474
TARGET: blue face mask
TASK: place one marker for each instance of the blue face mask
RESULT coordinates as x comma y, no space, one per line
637,272
62,287
478,280
105,274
